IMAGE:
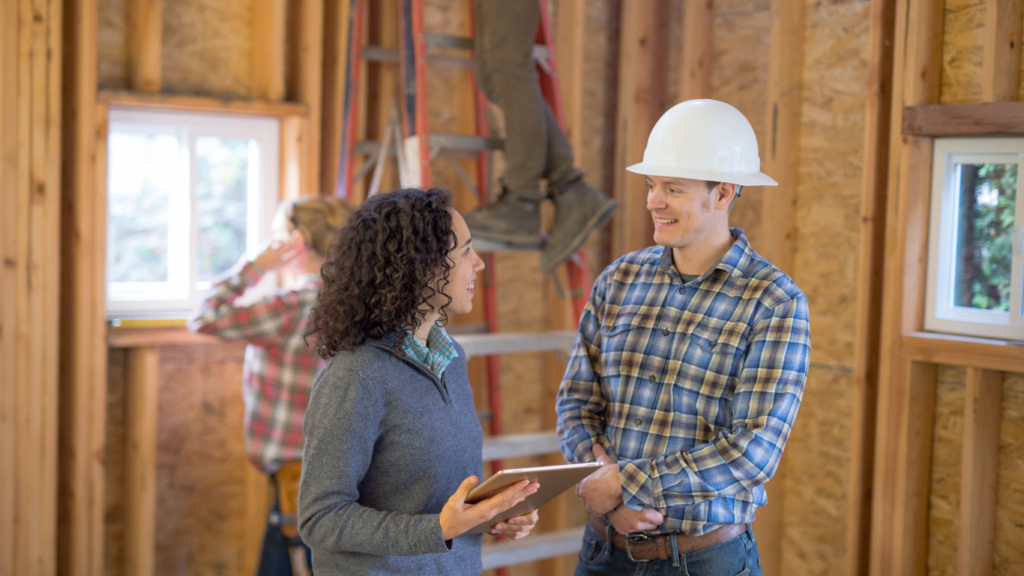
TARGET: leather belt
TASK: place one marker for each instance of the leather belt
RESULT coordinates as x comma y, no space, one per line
641,548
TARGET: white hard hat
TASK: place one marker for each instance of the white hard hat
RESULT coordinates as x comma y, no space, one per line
703,140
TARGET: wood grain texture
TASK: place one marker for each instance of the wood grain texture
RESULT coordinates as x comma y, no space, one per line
1000,73
641,101
965,119
916,74
570,39
30,154
963,38
83,300
963,351
307,87
979,467
268,49
695,79
945,471
870,268
142,386
112,43
913,465
145,40
1008,554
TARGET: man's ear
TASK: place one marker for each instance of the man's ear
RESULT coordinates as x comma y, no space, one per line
724,195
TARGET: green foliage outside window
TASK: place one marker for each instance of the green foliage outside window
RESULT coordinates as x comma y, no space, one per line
984,253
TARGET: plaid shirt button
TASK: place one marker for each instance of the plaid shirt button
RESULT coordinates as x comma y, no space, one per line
665,332
638,422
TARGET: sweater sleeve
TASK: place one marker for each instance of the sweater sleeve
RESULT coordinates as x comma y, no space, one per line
341,425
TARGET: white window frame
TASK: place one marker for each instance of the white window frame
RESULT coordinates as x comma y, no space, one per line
940,313
181,293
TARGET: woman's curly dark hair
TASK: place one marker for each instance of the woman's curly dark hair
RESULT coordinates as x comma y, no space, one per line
383,268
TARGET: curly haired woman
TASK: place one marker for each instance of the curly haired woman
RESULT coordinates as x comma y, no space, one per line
393,444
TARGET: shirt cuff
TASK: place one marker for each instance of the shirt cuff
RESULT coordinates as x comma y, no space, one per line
641,486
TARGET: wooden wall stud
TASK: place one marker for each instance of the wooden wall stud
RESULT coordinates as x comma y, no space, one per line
145,37
142,390
1000,76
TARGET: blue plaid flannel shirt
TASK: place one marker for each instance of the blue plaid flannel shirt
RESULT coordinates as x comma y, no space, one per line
693,387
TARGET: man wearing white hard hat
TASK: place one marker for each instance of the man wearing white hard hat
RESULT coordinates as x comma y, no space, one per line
689,367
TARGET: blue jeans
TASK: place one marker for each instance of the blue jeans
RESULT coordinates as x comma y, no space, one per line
274,558
730,558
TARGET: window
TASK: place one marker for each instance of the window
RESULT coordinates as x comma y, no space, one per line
187,195
975,271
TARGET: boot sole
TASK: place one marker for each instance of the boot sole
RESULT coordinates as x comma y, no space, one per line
599,219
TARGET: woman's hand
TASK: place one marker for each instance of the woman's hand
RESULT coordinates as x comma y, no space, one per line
278,251
457,517
517,527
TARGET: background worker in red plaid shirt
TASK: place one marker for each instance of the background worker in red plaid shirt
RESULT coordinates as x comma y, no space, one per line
279,368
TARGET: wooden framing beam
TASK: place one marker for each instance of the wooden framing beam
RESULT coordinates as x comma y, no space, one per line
126,99
141,391
642,60
569,52
963,351
964,119
268,49
870,267
1000,63
782,161
916,72
145,34
695,80
308,87
30,153
979,472
83,375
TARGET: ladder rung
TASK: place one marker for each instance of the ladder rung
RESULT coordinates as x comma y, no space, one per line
371,147
517,342
448,41
465,142
532,548
390,55
485,245
519,445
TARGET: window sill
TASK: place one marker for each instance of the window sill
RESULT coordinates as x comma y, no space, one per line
151,337
1003,355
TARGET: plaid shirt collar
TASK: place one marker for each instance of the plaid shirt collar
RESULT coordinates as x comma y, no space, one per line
436,354
735,260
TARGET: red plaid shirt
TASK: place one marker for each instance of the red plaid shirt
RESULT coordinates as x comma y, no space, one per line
279,368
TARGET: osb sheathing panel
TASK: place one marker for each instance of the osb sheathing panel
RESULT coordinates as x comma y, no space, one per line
1009,538
963,39
740,77
112,44
207,47
831,163
817,464
947,443
201,461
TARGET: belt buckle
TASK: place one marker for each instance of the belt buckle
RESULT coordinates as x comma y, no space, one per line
636,537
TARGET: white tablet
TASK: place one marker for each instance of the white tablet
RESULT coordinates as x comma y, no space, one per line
553,481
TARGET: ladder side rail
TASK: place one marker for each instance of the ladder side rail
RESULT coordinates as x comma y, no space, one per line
350,106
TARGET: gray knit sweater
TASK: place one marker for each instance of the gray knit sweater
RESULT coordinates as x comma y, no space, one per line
387,444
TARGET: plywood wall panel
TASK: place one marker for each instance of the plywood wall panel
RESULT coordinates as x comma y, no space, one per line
947,443
831,165
207,47
201,461
817,466
963,40
739,76
112,44
1009,537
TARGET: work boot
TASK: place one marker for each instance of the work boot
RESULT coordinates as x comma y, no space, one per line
509,219
579,209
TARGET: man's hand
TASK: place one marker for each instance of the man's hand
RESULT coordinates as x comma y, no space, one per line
602,490
277,252
626,520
